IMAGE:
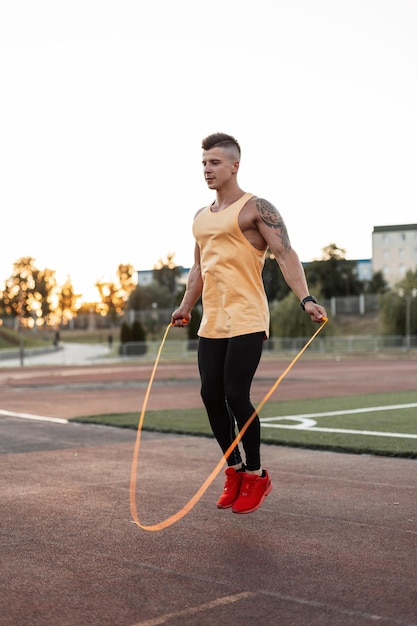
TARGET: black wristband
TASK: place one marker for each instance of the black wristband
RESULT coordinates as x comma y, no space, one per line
307,299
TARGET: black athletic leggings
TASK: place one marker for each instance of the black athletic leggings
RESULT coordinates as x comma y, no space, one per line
227,368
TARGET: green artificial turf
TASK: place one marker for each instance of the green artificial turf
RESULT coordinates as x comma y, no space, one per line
402,421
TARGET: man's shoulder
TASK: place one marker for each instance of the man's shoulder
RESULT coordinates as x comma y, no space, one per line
255,210
257,199
251,205
199,211
258,204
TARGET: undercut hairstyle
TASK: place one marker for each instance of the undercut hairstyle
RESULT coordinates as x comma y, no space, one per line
221,140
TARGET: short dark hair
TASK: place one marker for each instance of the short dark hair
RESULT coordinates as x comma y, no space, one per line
220,140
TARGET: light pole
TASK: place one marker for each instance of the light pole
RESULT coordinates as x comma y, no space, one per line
154,319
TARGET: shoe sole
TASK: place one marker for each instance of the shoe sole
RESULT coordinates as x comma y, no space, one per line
255,508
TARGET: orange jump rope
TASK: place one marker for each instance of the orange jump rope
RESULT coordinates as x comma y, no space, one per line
199,493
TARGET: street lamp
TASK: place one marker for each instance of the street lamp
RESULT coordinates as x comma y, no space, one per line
408,300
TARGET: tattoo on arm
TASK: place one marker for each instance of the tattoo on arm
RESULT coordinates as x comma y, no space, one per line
272,218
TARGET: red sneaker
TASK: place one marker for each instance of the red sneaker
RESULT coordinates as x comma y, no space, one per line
253,492
231,488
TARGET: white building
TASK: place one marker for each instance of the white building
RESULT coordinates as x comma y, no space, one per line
394,251
145,277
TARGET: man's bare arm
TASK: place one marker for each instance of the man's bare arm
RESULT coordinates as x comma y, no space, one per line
271,218
273,229
182,315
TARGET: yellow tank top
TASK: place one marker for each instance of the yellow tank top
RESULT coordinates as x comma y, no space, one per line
234,299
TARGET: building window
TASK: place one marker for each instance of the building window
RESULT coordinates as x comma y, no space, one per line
401,253
402,270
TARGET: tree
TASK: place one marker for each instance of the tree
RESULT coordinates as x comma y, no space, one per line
332,251
28,292
45,286
114,295
126,274
67,302
166,273
394,305
111,300
333,275
144,296
288,320
275,286
377,284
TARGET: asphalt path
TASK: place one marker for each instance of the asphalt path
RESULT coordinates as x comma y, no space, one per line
65,354
335,543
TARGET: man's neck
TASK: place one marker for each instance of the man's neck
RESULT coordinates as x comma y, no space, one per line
226,197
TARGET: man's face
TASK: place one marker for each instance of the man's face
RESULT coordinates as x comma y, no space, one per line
219,167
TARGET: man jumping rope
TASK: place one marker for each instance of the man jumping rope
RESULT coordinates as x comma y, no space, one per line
232,236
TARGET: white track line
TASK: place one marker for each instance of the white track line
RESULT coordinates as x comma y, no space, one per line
348,431
370,409
195,610
29,416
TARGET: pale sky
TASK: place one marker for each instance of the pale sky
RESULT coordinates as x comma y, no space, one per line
104,104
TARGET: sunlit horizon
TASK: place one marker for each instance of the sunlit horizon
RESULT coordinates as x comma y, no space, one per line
84,283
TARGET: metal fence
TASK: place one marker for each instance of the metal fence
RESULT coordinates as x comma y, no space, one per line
152,318
88,354
277,345
340,305
353,305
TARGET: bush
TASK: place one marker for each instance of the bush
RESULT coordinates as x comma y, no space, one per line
135,338
125,333
138,332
